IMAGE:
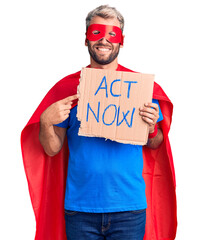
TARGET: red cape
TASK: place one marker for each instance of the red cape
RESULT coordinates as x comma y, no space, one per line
46,175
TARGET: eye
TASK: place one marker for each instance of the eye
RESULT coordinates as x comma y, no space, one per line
113,34
95,32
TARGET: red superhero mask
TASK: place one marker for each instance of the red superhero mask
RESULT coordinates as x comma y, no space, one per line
111,33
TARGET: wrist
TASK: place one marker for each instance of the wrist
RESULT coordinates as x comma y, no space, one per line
154,133
45,122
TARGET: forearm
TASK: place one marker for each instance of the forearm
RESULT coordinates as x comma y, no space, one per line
156,141
50,136
50,141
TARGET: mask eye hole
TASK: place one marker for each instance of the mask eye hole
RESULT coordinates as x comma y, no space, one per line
113,34
96,32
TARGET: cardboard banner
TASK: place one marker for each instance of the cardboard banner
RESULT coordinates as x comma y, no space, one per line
109,104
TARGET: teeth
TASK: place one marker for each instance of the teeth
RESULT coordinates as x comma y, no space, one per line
103,49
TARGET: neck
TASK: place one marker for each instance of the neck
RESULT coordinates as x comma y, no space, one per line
113,65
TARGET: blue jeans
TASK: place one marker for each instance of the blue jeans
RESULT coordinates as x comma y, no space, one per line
128,225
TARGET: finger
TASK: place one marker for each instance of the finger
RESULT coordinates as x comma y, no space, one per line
67,111
147,110
150,110
148,120
64,107
66,115
152,106
148,115
70,98
67,106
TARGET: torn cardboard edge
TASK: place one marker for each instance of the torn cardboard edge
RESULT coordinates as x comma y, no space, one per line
109,104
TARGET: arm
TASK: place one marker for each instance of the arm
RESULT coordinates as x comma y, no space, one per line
50,136
157,140
150,114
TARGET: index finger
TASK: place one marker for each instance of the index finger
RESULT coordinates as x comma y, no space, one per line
70,98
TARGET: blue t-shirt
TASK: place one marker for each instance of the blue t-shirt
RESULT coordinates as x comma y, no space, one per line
103,175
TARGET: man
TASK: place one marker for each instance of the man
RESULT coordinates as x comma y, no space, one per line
105,191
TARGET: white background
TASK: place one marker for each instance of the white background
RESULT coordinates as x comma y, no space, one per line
43,41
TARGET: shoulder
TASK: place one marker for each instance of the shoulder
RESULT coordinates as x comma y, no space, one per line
67,86
158,92
124,69
71,79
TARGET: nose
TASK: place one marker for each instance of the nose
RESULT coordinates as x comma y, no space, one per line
103,40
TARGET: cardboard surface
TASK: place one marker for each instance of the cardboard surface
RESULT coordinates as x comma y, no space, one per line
109,104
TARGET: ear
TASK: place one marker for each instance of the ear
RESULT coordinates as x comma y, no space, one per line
122,45
86,44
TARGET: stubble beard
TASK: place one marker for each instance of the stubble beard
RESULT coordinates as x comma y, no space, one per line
100,60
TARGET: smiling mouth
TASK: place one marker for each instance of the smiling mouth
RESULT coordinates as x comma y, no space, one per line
101,49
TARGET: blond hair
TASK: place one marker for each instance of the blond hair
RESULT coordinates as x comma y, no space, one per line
105,11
